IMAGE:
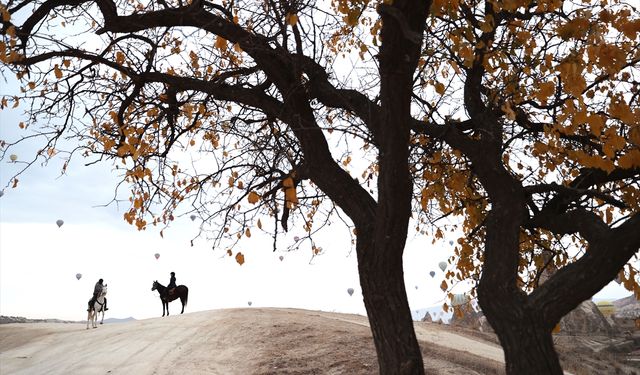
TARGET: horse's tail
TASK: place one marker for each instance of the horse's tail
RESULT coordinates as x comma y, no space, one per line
186,295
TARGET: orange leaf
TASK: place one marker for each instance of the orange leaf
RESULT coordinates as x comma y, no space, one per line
57,71
444,285
240,258
253,197
221,43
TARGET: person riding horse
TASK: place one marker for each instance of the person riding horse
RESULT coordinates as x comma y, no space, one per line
97,289
172,284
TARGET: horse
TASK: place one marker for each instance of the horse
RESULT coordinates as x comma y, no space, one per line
97,307
179,291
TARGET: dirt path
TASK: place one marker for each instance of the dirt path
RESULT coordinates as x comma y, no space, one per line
233,341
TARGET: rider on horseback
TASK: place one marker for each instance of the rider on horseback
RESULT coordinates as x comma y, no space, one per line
96,292
172,284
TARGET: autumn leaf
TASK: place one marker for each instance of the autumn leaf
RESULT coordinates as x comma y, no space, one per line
240,258
253,197
57,71
444,285
292,19
248,233
221,43
119,57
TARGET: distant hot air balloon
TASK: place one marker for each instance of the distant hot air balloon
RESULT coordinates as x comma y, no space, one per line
192,217
296,238
78,276
432,273
459,299
350,291
13,157
451,242
281,258
59,222
442,265
416,287
1,193
249,303
157,255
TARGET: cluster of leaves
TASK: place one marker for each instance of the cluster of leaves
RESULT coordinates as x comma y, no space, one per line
563,79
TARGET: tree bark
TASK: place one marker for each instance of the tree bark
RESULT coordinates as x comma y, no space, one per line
385,298
524,335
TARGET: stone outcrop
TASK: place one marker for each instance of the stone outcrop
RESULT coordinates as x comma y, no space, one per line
586,319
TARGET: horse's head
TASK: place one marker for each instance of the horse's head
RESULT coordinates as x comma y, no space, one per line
104,290
155,285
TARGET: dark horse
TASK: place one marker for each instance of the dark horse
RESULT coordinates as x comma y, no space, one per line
166,297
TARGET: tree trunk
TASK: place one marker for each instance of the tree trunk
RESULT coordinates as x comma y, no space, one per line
525,338
385,298
524,332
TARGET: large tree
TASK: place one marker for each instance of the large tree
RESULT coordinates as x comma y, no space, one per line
521,116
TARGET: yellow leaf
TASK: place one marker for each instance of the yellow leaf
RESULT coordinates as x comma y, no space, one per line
439,88
630,160
545,90
292,19
259,224
240,258
57,71
443,286
66,63
247,233
120,57
32,85
253,197
221,43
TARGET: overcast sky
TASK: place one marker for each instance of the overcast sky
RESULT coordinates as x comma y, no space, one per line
39,261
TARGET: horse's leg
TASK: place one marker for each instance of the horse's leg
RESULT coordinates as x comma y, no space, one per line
102,319
161,300
167,307
88,318
182,302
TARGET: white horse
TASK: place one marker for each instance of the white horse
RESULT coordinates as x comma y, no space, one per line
97,307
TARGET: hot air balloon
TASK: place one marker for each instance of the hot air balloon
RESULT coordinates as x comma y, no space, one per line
296,238
59,222
78,276
157,255
1,193
13,157
451,242
249,303
192,217
416,287
442,265
281,258
459,299
432,273
350,291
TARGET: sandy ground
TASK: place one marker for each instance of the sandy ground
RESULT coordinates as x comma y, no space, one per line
231,341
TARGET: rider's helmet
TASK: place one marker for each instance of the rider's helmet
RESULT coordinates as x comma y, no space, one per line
173,273
100,281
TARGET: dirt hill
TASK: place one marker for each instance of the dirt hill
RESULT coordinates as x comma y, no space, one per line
235,341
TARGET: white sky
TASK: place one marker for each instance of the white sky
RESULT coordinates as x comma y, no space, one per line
39,261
